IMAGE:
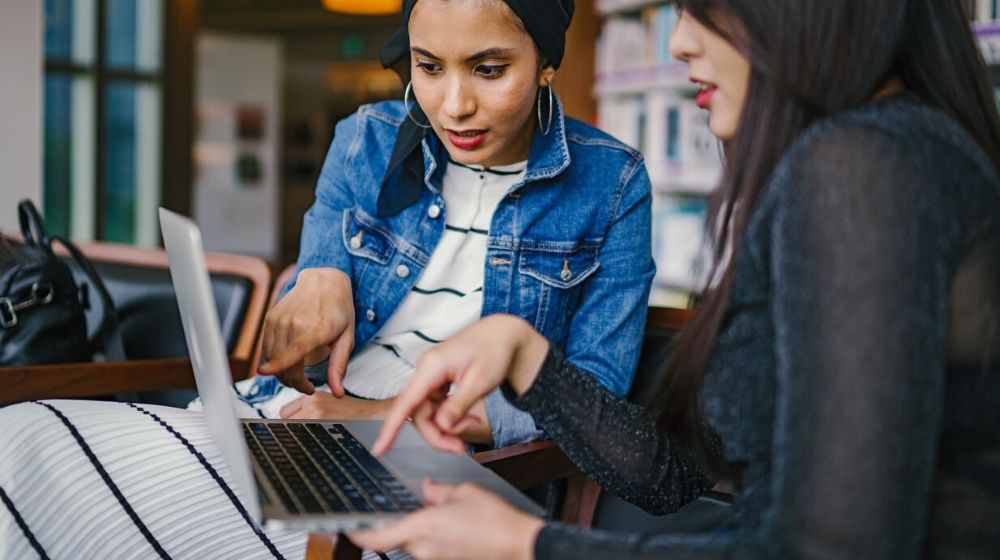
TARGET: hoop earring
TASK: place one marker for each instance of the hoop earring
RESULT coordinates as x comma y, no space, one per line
548,126
406,106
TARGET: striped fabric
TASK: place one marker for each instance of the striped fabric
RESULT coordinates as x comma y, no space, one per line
85,479
448,295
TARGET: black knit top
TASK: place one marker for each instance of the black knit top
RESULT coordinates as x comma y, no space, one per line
855,384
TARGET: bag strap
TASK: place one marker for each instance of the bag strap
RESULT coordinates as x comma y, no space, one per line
34,232
108,333
33,227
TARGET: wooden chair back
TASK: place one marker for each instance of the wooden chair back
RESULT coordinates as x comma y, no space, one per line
157,372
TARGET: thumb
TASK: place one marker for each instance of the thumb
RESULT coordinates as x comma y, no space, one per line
457,405
436,493
340,355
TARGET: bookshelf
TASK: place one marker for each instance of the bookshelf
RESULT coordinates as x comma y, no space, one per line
644,98
988,35
610,7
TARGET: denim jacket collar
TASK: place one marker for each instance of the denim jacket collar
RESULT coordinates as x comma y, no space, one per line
549,154
548,157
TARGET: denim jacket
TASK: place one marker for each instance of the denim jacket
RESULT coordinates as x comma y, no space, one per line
568,248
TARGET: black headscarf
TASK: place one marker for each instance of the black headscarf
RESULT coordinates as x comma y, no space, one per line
545,20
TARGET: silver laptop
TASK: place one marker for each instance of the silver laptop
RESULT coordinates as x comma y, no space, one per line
314,476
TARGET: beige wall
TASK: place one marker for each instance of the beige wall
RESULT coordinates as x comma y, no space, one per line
21,68
234,71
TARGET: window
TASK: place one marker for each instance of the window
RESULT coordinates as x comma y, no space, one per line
102,133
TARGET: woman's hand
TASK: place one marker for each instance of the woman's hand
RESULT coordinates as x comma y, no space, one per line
476,360
323,405
314,320
462,521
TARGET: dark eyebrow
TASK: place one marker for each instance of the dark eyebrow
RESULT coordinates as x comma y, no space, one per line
426,53
494,51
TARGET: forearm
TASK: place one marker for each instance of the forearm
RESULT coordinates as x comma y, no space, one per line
615,442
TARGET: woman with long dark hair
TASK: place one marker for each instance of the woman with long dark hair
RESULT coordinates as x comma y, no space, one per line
842,367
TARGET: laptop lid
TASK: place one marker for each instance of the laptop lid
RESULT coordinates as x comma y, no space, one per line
189,273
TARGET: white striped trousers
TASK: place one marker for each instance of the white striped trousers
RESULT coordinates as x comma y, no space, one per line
84,479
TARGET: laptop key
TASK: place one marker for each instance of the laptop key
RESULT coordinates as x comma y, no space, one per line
325,471
385,491
261,458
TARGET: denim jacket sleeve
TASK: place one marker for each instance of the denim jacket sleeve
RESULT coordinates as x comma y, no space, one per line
509,424
322,244
605,333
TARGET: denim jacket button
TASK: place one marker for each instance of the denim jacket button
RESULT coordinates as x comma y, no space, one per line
356,242
370,315
402,271
566,275
434,211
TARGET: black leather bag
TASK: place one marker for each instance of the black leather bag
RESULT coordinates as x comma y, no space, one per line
42,310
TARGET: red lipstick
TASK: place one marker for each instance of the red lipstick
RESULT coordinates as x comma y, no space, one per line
704,97
467,139
705,93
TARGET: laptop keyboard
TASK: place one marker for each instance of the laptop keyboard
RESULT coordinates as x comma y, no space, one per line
323,469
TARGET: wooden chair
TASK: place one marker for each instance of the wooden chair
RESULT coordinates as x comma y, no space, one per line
605,511
139,282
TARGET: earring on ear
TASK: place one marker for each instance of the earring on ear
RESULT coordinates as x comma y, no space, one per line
406,106
546,126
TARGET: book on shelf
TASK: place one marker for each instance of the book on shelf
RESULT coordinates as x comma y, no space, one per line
624,117
679,248
681,151
985,10
628,43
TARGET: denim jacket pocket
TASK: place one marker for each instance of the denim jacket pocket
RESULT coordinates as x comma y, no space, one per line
551,276
560,265
365,238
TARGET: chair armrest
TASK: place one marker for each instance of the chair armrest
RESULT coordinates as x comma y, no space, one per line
528,465
331,547
22,383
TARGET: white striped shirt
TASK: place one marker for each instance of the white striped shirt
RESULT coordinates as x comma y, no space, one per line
448,295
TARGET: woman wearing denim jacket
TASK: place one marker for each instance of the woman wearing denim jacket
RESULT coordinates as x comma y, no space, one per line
568,247
568,250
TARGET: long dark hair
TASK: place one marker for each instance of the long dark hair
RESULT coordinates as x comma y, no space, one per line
810,59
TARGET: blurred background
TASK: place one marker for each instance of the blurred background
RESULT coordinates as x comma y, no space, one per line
223,110
220,109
